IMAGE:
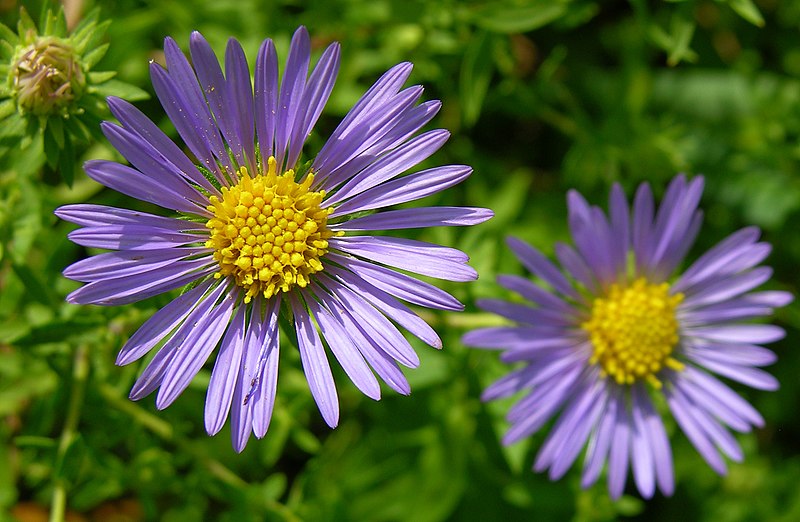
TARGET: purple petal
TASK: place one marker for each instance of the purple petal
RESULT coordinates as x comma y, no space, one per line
653,428
727,288
576,266
194,351
220,99
153,375
160,324
534,261
593,238
541,404
266,97
739,354
643,455
390,306
752,377
375,325
265,369
717,258
408,254
620,227
386,367
97,215
715,432
674,218
113,265
569,434
292,86
722,392
404,189
132,237
192,102
135,288
360,148
739,333
599,444
190,114
315,96
516,336
523,314
681,410
620,451
240,99
342,347
241,409
418,218
172,156
136,184
315,364
392,164
399,285
147,160
642,225
381,91
713,405
223,377
535,293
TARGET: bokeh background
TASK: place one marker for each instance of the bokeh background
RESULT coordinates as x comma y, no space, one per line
541,96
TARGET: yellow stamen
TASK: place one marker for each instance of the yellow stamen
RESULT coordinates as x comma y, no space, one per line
269,232
633,331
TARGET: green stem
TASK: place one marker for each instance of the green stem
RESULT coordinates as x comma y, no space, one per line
80,372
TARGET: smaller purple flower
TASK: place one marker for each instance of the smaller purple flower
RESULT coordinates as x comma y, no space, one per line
615,337
261,234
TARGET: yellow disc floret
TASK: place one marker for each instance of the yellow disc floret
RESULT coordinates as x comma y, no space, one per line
633,331
268,232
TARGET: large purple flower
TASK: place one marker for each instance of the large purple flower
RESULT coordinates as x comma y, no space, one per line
619,338
261,235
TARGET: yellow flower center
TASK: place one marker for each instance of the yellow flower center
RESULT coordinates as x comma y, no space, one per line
633,331
268,232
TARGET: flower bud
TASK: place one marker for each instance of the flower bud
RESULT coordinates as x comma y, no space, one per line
47,76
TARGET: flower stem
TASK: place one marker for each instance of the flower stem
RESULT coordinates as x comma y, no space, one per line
80,372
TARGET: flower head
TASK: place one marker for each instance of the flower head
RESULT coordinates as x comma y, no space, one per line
619,334
261,234
49,87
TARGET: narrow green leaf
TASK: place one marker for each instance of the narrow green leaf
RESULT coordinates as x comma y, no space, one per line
92,57
99,77
476,74
747,10
121,89
503,17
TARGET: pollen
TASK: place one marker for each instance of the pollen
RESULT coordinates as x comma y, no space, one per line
269,231
633,331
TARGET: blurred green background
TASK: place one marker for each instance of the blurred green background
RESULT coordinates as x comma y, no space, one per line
541,96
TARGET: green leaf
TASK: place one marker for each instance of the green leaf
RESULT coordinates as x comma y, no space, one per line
14,125
505,17
476,74
8,35
101,77
747,10
91,58
120,89
66,162
7,108
677,42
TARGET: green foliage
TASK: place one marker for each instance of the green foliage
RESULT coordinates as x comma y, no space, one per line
541,96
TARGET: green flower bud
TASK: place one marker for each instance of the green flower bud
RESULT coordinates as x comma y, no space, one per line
48,78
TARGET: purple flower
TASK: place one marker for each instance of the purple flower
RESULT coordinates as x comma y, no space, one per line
261,235
617,337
